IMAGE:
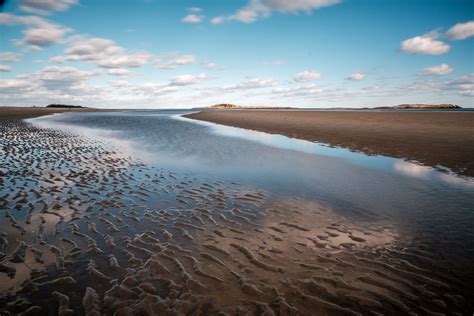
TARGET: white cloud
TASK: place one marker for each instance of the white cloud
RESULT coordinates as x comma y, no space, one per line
9,56
186,80
45,35
91,48
11,19
120,72
192,18
103,52
125,61
424,45
461,31
5,68
211,65
45,6
463,85
63,78
356,76
60,82
14,85
306,75
253,83
153,89
119,83
258,9
171,63
442,69
218,20
40,32
88,49
301,91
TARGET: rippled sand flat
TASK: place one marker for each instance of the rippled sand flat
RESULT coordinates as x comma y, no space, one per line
87,230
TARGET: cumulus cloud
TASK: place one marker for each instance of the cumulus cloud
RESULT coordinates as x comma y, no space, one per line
356,76
258,9
11,19
171,62
211,65
60,82
83,48
253,83
461,31
218,20
192,18
306,75
14,85
125,61
424,45
120,72
5,68
71,84
301,91
153,89
463,85
103,52
45,35
39,33
442,69
45,6
9,57
63,78
314,92
186,80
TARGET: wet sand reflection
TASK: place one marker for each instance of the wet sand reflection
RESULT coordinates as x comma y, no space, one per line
100,233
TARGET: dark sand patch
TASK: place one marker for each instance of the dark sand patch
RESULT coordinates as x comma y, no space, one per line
432,138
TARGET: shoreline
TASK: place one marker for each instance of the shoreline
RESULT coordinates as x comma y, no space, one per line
433,138
86,223
16,112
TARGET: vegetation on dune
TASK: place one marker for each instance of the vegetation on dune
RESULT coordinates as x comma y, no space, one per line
65,106
234,106
421,106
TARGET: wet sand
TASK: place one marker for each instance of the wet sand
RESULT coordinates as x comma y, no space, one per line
88,230
431,138
16,112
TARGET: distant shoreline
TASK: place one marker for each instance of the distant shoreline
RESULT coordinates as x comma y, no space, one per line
406,106
432,137
17,112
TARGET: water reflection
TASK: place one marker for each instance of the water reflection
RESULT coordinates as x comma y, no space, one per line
430,210
351,183
388,164
110,137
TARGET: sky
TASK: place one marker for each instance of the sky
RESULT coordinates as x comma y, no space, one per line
184,54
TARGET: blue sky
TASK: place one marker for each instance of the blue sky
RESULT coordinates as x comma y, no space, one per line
181,54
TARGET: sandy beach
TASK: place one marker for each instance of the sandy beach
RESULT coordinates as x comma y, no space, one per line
16,112
236,158
432,138
94,231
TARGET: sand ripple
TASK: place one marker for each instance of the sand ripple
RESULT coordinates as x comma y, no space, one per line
88,231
